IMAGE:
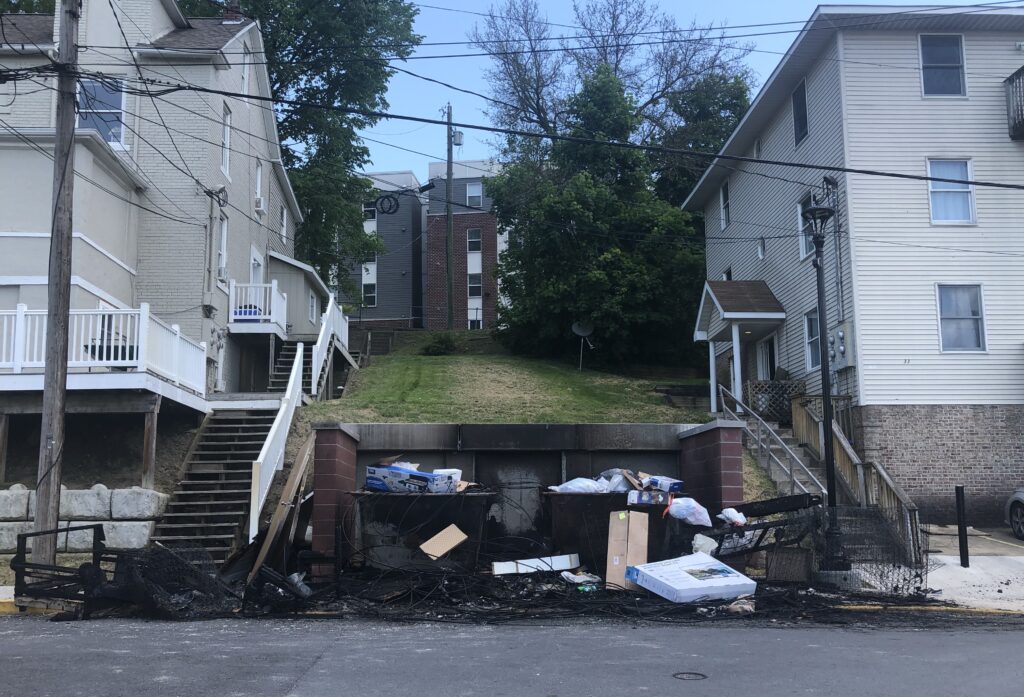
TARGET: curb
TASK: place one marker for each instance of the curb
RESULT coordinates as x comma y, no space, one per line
7,607
959,610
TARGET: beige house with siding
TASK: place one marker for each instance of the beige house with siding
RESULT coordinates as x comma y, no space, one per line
924,278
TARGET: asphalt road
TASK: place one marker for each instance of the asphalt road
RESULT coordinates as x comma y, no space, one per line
252,658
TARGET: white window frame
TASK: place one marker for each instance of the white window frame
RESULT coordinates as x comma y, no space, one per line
256,261
479,285
970,192
812,360
365,304
312,307
283,222
478,322
116,144
223,230
963,66
369,207
478,186
246,69
258,193
984,323
801,224
724,214
479,240
225,141
807,115
727,274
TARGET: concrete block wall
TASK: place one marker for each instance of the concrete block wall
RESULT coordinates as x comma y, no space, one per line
334,474
711,460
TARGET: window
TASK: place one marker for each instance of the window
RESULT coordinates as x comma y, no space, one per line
758,148
370,210
961,318
812,340
942,66
473,239
222,248
723,202
283,221
727,274
370,294
259,204
246,62
807,236
101,108
225,141
760,248
800,113
951,203
475,285
312,307
475,195
476,324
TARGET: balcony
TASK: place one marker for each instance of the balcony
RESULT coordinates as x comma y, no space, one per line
1015,104
257,308
103,346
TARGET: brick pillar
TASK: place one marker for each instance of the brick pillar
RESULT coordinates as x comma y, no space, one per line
334,476
711,463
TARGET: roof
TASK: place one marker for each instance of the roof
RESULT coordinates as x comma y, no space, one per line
27,29
746,297
205,34
816,35
310,272
393,180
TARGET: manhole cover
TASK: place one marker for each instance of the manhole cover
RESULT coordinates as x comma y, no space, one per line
689,676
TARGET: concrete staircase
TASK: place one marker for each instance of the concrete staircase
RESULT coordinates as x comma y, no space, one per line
283,366
211,504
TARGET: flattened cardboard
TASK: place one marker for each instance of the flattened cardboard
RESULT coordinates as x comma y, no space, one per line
444,542
529,566
627,546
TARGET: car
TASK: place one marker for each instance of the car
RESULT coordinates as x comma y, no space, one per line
1015,513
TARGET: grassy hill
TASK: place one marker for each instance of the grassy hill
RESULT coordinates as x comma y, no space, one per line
480,383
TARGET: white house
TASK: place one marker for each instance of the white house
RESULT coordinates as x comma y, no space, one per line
924,278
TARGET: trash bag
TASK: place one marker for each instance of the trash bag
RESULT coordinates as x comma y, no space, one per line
581,485
688,510
703,543
732,516
618,483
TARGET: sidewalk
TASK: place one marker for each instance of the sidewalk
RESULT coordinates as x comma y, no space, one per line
995,578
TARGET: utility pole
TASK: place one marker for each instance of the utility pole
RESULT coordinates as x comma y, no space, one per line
51,440
448,221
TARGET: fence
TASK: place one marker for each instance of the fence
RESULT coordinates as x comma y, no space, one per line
771,398
333,325
258,303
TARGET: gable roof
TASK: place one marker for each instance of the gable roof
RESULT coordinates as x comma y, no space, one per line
204,34
744,297
27,29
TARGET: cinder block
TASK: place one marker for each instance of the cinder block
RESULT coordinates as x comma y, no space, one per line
137,504
79,504
14,503
117,534
9,535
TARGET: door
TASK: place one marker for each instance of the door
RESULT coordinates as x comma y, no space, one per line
767,358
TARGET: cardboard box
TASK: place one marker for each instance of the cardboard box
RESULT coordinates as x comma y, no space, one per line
648,498
627,546
693,578
672,486
529,566
444,542
404,480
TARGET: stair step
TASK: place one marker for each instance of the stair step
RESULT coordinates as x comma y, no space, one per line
181,526
216,502
206,492
186,516
191,538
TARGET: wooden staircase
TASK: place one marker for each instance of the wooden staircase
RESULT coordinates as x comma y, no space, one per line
283,366
211,503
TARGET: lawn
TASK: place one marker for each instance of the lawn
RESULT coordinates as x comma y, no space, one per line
481,384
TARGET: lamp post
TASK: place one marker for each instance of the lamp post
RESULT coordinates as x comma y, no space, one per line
817,217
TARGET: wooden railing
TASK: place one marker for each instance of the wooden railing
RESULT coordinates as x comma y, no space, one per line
258,303
107,340
271,457
333,327
867,483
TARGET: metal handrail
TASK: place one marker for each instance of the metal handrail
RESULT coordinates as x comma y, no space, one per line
766,437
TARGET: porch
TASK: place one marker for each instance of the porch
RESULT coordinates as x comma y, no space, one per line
257,308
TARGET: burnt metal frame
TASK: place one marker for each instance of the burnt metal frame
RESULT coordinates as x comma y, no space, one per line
54,582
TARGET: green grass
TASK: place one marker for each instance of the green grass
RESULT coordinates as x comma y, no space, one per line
482,384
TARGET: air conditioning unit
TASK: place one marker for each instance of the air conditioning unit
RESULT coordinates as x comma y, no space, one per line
222,273
259,205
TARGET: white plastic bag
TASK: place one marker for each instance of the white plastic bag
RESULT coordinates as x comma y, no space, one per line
581,485
703,543
688,510
732,516
618,483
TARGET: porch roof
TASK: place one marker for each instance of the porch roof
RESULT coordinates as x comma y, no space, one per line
730,301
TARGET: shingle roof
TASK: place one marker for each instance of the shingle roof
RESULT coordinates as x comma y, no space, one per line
745,296
205,34
26,29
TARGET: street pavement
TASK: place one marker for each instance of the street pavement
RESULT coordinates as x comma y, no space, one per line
995,577
309,658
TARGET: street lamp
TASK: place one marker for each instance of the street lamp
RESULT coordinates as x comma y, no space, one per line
817,217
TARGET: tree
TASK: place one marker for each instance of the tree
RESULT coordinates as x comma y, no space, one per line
328,52
27,7
589,241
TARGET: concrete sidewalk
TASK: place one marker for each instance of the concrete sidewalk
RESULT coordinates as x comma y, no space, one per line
995,578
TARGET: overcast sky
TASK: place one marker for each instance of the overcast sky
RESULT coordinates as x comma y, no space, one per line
411,96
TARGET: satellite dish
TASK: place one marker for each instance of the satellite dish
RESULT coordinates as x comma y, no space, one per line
583,329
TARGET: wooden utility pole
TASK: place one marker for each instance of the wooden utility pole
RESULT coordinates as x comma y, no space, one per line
448,237
51,441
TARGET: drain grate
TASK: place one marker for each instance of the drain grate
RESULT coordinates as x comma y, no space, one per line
689,676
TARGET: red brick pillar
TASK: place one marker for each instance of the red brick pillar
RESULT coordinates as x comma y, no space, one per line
334,476
711,463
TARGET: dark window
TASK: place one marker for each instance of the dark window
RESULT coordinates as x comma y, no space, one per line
800,112
725,204
476,324
474,284
727,274
370,211
370,294
942,65
473,239
961,318
100,107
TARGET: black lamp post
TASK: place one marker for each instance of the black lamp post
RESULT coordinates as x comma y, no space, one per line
817,217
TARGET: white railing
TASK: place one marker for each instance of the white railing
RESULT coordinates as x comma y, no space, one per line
258,303
271,457
107,340
333,326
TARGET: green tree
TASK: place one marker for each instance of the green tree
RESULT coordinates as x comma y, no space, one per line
590,241
26,6
328,52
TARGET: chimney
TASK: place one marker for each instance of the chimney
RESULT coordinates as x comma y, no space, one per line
232,12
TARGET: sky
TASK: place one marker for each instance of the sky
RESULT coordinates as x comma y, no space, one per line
411,96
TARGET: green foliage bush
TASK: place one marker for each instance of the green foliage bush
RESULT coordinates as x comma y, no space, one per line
441,344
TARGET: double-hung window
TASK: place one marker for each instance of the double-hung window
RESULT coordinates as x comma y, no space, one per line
370,295
812,340
283,222
225,141
961,318
806,229
473,239
951,202
222,248
101,108
475,195
723,202
800,113
942,65
312,307
246,69
474,285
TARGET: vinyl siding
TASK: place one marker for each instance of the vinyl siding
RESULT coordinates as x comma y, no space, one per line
761,206
892,127
438,198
